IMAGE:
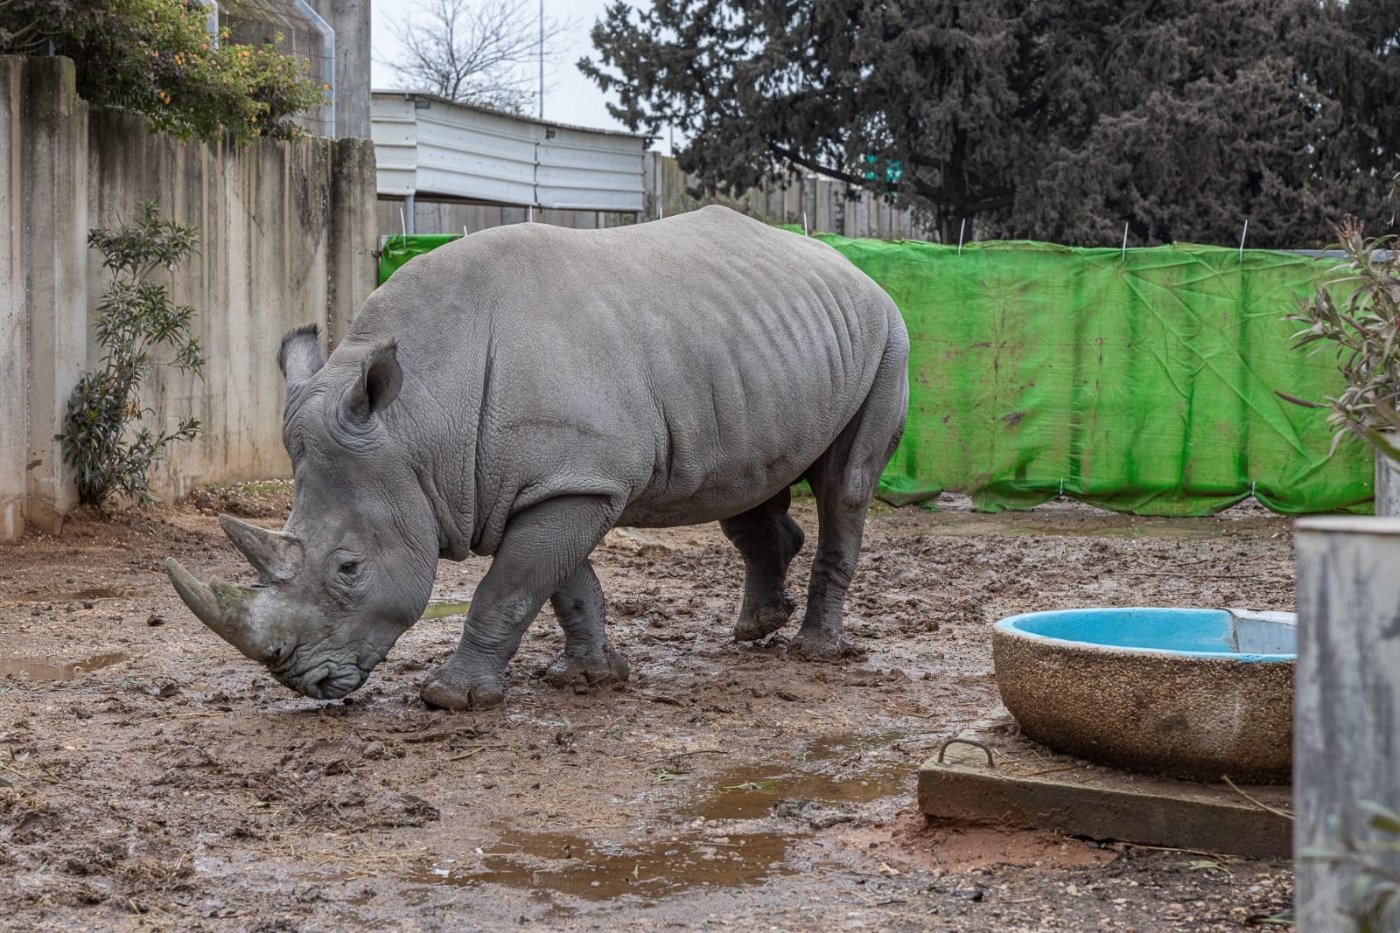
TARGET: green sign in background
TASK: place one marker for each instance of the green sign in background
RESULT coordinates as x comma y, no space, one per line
1140,381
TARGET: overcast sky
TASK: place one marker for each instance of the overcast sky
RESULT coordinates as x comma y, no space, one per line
569,96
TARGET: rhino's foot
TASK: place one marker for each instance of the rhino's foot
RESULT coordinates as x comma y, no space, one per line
817,645
765,620
584,674
455,689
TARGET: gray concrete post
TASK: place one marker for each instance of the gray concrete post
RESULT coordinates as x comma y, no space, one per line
54,185
351,21
353,271
1346,746
14,331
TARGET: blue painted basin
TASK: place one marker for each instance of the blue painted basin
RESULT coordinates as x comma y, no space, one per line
1194,693
1269,637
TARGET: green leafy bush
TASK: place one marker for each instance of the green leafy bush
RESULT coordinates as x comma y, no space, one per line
1363,332
135,318
156,57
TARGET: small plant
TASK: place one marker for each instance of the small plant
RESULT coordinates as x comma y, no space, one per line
1373,902
1364,332
136,318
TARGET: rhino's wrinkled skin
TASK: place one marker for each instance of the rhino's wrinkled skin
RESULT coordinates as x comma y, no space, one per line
519,392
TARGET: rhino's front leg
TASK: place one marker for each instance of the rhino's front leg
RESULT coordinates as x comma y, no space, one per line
543,547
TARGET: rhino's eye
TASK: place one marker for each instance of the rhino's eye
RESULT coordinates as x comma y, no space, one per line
349,568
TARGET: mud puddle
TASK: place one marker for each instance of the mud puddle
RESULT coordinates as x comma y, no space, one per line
446,608
752,793
835,770
822,786
572,865
46,670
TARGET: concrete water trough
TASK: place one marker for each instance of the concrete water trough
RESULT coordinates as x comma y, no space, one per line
1198,694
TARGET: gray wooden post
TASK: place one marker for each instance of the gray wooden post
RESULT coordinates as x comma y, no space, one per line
1387,489
1346,746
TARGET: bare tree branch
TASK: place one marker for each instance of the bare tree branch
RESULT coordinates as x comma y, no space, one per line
476,52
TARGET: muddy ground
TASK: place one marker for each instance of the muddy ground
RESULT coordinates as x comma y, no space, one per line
152,778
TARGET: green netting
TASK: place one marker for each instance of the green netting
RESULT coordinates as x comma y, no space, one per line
1141,381
398,250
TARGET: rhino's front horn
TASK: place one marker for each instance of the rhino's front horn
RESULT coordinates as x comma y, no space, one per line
221,607
275,556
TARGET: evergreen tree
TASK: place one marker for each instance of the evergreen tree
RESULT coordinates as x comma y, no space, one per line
1049,119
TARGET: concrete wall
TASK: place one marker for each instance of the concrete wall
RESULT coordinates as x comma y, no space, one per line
287,238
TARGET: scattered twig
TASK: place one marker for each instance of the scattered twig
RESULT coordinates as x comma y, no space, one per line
469,732
697,751
1178,573
1052,770
473,749
1142,845
1263,806
662,698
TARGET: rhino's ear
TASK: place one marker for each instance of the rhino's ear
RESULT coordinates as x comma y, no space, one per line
378,385
300,357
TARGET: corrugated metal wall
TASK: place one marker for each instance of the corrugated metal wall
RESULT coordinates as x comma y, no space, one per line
429,147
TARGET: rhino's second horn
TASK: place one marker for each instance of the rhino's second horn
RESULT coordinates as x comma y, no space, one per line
275,556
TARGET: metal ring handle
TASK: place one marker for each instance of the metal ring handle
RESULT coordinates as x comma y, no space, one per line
944,747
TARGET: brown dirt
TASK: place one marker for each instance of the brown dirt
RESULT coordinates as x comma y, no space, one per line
152,778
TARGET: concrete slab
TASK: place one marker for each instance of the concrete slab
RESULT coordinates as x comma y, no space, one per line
1031,787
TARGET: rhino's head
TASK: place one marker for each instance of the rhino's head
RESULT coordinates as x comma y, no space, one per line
354,566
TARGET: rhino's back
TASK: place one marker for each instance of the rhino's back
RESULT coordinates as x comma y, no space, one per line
699,363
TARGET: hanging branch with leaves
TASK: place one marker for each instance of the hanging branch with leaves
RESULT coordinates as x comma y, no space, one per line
1362,331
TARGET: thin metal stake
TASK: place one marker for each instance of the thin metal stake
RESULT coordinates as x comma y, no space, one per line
961,231
530,214
403,224
804,224
1124,255
541,59
1242,236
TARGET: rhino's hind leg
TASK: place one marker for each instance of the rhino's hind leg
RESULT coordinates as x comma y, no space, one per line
843,482
768,539
588,659
542,547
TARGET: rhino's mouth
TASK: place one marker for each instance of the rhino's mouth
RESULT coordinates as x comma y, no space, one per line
328,680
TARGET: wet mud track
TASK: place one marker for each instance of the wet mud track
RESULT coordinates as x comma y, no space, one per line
151,778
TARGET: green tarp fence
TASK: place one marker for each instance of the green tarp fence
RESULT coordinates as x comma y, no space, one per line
1140,381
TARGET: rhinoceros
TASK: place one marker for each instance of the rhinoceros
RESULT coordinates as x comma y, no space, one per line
521,391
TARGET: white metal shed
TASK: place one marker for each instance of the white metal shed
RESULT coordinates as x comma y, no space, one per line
429,146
